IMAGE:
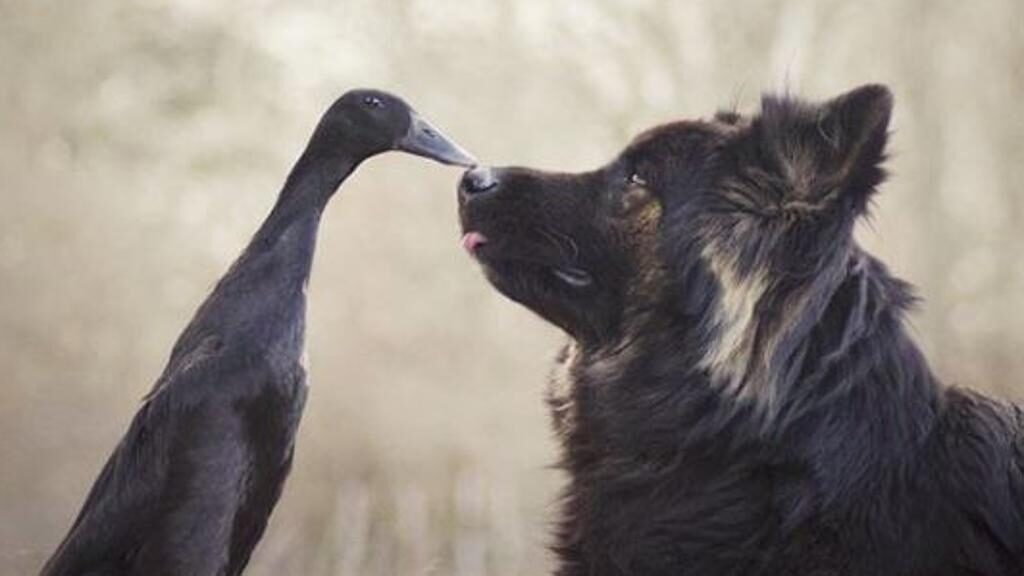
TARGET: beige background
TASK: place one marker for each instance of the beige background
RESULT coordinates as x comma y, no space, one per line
141,142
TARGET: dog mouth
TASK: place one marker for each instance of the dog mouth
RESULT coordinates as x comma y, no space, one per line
497,259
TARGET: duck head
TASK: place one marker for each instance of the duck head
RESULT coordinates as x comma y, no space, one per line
364,123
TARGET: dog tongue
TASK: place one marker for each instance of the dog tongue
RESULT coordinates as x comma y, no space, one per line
473,240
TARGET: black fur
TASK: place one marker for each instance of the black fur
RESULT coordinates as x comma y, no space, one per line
740,395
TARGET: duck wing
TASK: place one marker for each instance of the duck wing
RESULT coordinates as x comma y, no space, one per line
189,488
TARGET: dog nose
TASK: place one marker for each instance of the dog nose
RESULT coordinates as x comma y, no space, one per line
478,180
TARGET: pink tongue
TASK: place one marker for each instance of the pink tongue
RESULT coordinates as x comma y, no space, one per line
473,240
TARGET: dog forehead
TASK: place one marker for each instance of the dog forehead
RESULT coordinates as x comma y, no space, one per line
673,138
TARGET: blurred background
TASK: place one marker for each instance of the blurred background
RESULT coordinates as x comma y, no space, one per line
142,141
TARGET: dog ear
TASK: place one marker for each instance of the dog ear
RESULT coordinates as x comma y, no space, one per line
830,152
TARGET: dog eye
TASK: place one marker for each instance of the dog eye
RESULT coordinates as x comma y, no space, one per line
635,179
373,102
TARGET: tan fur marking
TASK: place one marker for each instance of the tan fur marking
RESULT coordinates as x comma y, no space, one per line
560,384
644,223
729,357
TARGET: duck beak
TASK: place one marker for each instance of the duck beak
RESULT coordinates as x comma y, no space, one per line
424,140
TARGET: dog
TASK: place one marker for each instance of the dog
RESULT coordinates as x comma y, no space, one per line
740,394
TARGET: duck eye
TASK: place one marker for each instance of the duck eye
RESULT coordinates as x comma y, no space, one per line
373,102
635,179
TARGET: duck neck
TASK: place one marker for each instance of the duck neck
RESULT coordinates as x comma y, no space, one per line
312,182
266,284
280,254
